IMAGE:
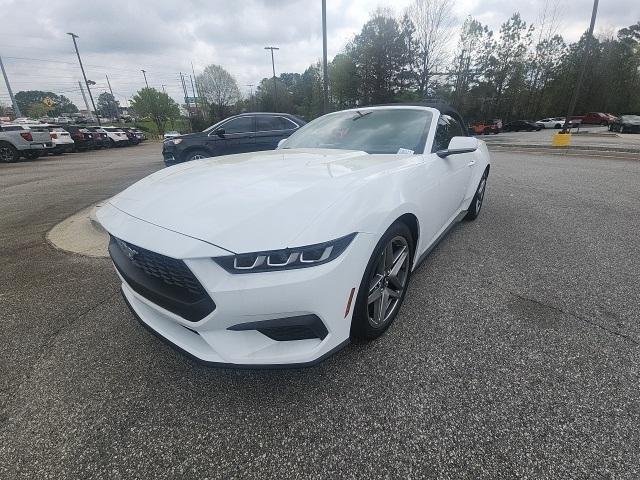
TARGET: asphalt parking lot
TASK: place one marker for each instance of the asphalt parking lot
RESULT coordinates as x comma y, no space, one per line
515,355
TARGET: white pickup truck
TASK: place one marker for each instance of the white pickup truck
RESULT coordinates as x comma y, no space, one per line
19,141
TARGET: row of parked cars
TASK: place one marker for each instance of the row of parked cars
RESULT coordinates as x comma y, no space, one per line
32,140
622,123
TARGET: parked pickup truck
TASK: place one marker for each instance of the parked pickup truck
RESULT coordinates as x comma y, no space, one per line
18,141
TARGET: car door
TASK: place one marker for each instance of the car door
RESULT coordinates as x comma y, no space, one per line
453,171
238,136
270,129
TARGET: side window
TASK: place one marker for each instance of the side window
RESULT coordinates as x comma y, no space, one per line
456,128
285,123
239,125
266,123
443,133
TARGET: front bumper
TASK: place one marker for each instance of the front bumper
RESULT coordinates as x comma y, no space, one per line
322,291
169,156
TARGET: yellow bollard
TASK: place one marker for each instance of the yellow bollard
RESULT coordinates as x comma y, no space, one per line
561,139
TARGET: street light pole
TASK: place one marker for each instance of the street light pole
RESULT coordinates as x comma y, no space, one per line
587,52
144,72
273,65
325,81
75,44
117,114
16,109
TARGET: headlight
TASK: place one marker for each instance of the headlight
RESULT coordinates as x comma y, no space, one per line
286,259
174,141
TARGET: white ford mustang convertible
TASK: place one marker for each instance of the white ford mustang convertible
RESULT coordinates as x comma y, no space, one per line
278,258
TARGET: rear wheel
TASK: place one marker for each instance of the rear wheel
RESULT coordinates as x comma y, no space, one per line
557,126
478,198
384,283
8,153
32,155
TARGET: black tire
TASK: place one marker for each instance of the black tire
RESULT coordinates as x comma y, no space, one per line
57,152
32,155
362,326
196,154
478,198
487,131
8,153
557,126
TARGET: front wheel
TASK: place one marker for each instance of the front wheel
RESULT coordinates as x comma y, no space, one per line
196,155
478,198
384,283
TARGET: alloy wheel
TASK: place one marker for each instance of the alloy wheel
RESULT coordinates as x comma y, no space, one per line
388,282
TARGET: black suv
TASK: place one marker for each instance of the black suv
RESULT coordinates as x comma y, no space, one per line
248,132
83,139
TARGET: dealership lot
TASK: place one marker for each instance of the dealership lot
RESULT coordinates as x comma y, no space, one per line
516,352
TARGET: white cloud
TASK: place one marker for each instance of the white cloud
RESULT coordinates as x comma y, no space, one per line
119,38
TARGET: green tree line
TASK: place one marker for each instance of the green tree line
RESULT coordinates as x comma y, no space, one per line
522,71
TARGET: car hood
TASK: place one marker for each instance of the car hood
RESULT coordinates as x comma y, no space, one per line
252,201
190,135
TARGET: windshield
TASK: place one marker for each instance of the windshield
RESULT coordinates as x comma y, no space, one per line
631,118
394,130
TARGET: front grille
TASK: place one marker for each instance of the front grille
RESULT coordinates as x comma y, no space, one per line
163,280
167,269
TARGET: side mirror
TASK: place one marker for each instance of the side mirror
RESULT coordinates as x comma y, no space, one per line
459,145
219,132
281,143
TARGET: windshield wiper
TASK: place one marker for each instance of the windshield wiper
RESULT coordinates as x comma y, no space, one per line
360,115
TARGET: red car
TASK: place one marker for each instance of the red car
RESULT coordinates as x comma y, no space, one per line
594,118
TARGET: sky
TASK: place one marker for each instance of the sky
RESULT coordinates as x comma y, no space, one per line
119,38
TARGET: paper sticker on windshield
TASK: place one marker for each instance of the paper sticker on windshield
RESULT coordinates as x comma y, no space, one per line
405,151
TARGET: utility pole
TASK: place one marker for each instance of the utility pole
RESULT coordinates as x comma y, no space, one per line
198,96
84,97
325,81
117,114
193,90
75,44
251,85
273,65
186,100
16,109
587,53
163,90
144,72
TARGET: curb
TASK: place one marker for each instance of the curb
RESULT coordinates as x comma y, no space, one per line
592,148
93,218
